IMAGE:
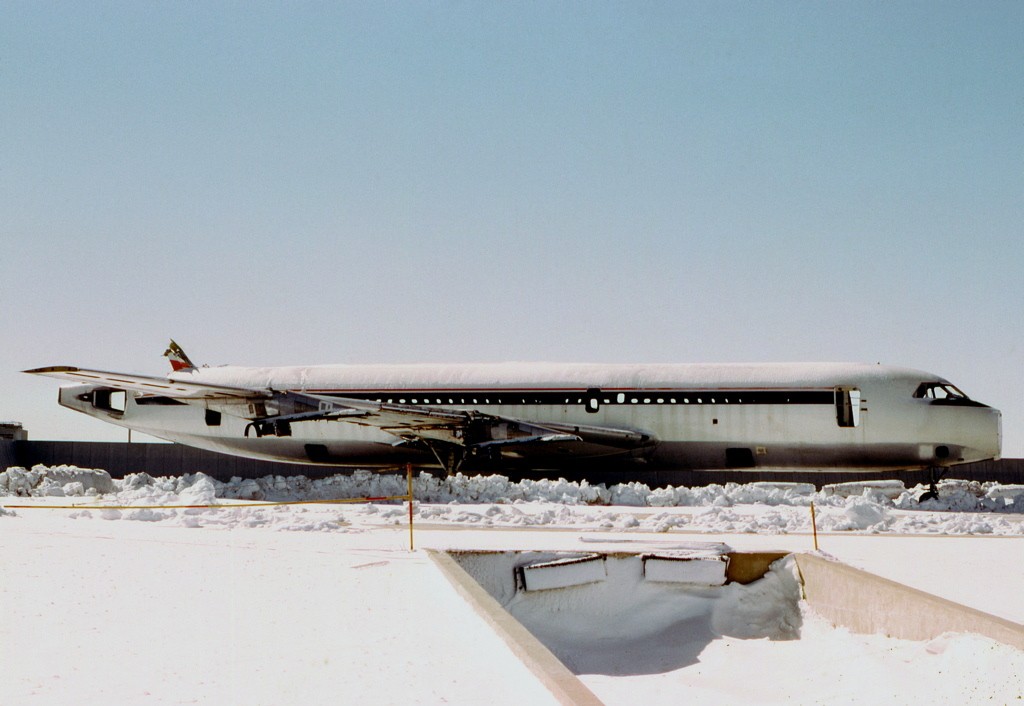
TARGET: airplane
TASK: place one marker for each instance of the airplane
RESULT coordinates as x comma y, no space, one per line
552,417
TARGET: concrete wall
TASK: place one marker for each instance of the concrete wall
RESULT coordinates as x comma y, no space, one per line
866,603
565,686
155,459
173,459
7,456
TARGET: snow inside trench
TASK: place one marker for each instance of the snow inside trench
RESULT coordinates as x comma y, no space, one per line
619,623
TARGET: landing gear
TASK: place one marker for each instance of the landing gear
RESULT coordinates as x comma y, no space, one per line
450,457
935,473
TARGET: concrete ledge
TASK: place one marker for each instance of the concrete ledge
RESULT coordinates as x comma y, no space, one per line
563,684
866,603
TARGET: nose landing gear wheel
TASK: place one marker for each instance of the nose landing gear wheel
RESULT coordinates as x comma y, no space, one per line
933,491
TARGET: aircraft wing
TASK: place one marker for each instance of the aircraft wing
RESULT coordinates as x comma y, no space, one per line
146,384
451,434
457,433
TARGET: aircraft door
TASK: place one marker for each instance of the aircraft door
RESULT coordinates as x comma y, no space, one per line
848,406
592,402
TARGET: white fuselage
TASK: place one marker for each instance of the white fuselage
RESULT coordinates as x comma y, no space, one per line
735,416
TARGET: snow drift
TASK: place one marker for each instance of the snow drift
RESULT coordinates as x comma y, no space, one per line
963,507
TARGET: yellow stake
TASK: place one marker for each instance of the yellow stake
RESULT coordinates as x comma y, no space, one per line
814,527
408,473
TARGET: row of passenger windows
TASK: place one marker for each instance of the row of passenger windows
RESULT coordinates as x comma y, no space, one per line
621,398
567,400
678,397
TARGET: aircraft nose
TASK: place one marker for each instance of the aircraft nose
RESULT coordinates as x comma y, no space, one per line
989,444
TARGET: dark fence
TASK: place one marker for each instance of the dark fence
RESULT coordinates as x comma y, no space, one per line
120,459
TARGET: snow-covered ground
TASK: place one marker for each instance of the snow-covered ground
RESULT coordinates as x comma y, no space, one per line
321,603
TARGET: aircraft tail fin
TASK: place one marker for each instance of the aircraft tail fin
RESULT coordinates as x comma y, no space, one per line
179,361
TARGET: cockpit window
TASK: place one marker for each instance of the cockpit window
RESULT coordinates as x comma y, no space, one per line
939,391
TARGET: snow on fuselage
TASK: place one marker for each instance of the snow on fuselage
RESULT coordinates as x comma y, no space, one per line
735,416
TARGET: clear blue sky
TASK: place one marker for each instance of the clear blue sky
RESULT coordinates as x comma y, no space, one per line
628,182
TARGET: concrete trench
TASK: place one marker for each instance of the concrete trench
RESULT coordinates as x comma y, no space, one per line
626,607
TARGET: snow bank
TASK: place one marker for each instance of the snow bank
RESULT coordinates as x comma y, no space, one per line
57,481
954,495
766,508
